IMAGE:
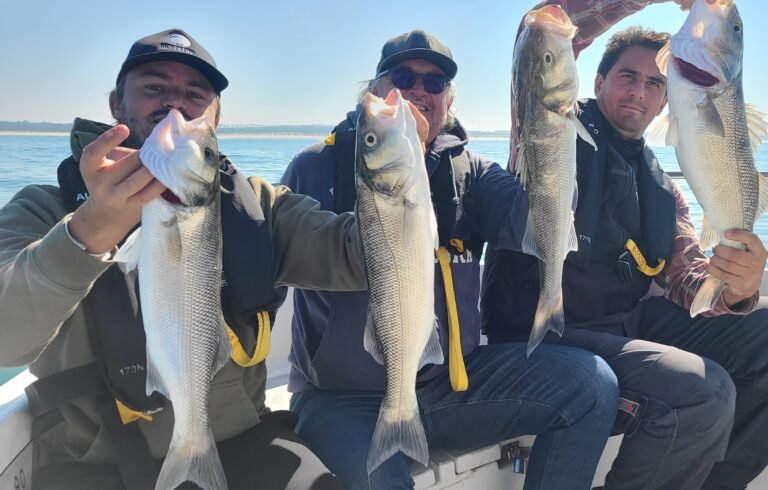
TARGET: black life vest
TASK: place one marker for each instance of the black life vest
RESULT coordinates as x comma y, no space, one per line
616,201
449,180
113,308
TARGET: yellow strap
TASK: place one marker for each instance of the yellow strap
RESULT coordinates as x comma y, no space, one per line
239,355
331,139
128,415
456,368
642,265
459,244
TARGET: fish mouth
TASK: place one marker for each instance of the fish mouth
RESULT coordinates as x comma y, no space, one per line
694,74
171,197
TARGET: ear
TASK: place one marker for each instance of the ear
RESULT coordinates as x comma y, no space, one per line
598,84
114,105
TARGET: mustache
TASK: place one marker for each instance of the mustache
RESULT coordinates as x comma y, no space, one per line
160,114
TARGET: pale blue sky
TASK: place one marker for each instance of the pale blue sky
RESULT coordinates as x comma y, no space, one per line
290,61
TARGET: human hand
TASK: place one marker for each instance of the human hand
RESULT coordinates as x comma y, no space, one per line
118,186
740,270
686,4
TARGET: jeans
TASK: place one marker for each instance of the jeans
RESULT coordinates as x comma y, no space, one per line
701,388
564,395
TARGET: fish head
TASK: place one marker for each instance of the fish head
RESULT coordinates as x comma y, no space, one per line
544,66
387,148
184,157
708,50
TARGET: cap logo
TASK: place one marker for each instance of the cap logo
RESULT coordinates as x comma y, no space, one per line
177,39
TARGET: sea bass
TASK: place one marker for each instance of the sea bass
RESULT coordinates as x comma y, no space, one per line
543,149
713,132
177,252
398,231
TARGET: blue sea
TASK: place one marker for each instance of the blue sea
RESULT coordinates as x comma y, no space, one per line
32,159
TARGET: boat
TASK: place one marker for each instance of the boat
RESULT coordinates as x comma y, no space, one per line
497,466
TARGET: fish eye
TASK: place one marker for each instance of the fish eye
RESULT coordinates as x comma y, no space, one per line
371,140
209,155
737,28
548,58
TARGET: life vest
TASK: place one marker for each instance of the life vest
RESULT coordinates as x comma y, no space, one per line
113,315
625,224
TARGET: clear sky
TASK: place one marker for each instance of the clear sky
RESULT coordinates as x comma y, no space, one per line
290,61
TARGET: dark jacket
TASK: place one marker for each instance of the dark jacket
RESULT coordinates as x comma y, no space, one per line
622,194
489,205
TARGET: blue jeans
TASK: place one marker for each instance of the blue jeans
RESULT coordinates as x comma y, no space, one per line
566,396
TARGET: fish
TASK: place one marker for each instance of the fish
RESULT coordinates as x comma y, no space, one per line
713,131
543,152
177,252
398,232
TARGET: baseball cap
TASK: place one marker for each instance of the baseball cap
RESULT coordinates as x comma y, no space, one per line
416,44
174,45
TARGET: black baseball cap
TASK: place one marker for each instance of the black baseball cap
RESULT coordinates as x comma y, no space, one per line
416,44
174,45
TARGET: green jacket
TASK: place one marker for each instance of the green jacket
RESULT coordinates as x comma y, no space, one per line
44,277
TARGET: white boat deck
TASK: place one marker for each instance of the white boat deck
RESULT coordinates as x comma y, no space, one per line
490,467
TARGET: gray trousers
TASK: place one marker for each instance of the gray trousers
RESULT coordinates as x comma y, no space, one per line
694,412
269,456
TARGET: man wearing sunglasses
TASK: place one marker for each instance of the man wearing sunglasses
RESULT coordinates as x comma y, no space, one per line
565,395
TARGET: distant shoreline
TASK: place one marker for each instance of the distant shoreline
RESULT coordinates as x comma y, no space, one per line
224,136
34,133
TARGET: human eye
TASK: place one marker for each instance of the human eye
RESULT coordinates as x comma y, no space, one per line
152,88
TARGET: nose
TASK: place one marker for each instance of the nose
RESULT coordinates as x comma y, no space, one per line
637,90
173,100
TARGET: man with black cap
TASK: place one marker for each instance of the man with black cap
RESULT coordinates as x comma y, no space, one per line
490,393
71,314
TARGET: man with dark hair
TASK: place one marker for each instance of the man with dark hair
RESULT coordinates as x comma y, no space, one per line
71,314
676,373
482,394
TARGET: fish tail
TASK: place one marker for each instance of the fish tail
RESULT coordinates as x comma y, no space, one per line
196,462
707,296
395,433
549,318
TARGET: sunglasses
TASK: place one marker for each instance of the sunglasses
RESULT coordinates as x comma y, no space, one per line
404,78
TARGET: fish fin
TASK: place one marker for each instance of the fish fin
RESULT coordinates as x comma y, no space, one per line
371,342
529,245
154,380
549,318
225,348
708,294
572,245
130,251
433,352
393,434
708,112
762,195
662,131
757,126
194,461
519,167
709,236
662,58
581,130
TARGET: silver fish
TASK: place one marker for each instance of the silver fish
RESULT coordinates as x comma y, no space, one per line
178,254
399,235
543,149
714,133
